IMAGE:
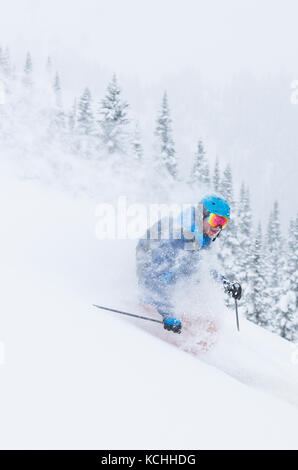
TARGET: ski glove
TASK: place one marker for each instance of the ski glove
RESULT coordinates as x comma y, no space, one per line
233,288
172,324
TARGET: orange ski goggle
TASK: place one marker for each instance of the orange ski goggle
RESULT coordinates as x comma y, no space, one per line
216,220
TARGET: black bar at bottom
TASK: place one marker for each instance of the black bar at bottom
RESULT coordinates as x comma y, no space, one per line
134,459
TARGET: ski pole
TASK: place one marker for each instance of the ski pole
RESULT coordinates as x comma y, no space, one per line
126,313
237,317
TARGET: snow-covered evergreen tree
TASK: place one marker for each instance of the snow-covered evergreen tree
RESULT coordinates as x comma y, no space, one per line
226,185
274,271
137,146
254,289
240,231
5,63
200,171
49,68
57,124
216,177
113,120
167,153
85,133
28,68
228,238
85,122
9,112
2,89
244,225
289,318
292,264
57,90
72,117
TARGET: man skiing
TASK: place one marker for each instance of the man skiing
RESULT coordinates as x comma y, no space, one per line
161,262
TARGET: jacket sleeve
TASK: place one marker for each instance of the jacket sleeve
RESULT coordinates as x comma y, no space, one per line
156,273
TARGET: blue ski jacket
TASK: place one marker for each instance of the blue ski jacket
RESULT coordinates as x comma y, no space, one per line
163,260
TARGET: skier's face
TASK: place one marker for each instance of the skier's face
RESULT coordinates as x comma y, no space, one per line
210,231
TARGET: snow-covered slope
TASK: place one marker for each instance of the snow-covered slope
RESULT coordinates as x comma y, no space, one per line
77,377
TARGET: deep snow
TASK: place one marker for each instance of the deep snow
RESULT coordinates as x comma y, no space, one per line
77,377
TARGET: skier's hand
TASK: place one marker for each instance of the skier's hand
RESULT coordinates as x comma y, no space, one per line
172,324
233,288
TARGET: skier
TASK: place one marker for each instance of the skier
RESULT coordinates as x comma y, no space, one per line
161,262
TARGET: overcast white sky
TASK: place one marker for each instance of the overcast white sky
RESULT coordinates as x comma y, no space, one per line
151,38
158,43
